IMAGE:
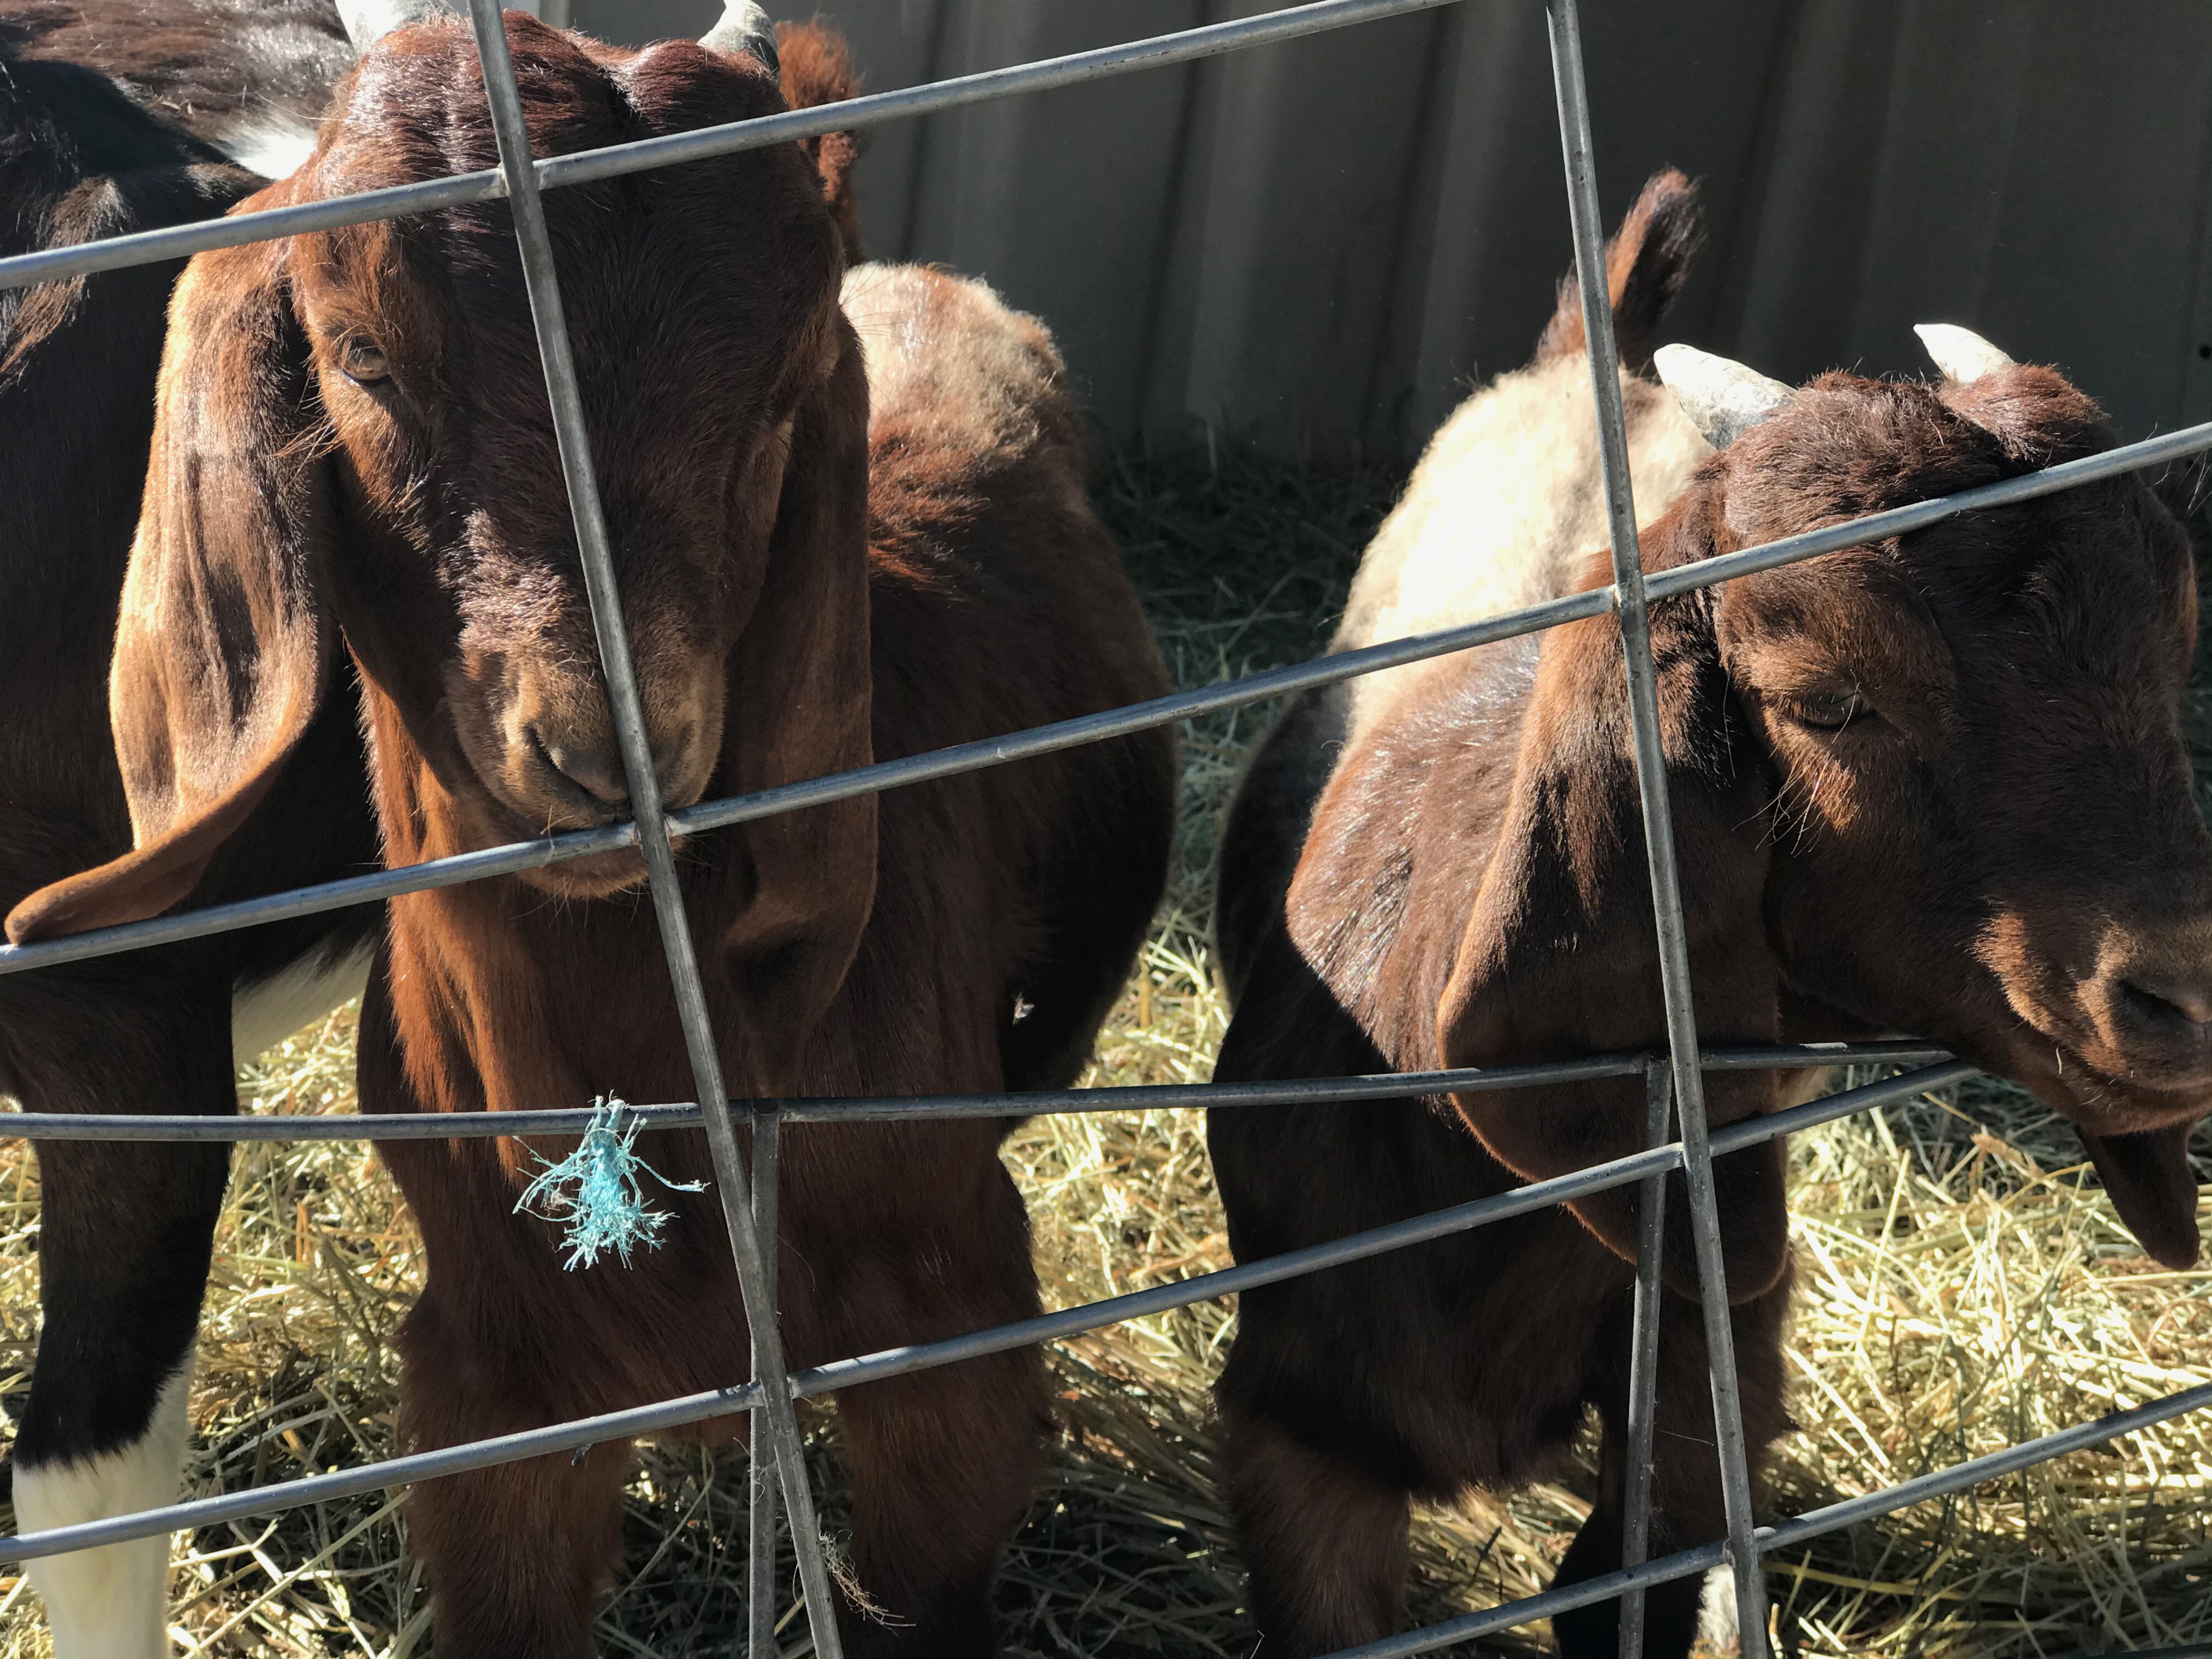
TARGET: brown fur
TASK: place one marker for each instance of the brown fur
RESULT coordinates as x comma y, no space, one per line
805,591
211,67
125,1230
2001,853
817,69
1645,266
203,65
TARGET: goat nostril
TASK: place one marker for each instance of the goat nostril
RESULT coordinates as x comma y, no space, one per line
669,755
598,773
2170,998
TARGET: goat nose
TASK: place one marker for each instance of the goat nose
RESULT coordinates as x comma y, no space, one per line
668,752
2171,1001
598,773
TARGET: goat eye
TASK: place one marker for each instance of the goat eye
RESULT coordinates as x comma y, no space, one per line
364,360
1826,711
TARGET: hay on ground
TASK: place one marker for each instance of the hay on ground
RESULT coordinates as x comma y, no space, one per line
1962,1285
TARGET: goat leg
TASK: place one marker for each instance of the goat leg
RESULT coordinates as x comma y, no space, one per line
1324,1536
124,1248
1687,1505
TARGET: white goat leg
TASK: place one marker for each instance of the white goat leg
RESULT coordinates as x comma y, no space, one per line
111,1602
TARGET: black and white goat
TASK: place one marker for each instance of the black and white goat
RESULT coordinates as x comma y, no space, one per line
125,1233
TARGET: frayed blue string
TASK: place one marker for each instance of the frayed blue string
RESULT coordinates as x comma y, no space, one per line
595,1189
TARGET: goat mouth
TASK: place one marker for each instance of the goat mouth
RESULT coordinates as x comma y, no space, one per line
591,875
594,876
2109,1102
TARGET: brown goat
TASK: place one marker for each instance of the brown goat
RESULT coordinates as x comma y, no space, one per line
1934,784
823,562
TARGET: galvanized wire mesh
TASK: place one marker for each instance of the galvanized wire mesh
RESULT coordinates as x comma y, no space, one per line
1674,1079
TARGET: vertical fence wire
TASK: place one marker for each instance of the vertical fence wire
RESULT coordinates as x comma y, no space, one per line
1643,1356
761,1594
1573,99
749,1207
535,246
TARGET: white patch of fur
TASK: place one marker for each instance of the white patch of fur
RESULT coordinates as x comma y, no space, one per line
1504,506
274,145
947,356
263,1014
1717,1624
113,1602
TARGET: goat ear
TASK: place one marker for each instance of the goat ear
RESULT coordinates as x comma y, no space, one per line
801,707
2152,1188
2037,415
816,69
1560,956
222,646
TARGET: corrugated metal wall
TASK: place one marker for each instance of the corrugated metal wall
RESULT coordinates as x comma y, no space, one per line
1319,245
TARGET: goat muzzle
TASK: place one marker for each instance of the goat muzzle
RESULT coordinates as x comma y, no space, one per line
580,781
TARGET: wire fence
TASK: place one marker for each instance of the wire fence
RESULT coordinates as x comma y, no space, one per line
1674,1080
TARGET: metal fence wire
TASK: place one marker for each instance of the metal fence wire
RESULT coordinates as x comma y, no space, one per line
1675,1081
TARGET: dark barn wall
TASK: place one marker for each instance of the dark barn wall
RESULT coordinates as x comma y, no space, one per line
1317,246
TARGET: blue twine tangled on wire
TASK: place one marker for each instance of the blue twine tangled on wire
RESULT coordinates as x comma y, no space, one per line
595,1190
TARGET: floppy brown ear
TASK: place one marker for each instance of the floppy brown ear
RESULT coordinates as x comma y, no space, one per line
2152,1188
800,708
1559,957
222,646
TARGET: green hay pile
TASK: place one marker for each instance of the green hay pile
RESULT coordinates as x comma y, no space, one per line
1961,1286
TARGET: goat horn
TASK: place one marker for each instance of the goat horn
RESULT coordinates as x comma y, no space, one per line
1960,353
367,21
1723,398
745,27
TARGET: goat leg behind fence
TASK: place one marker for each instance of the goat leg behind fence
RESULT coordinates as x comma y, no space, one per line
124,1250
1686,1486
531,1591
898,1234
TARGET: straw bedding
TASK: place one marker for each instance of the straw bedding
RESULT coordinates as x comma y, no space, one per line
1963,1285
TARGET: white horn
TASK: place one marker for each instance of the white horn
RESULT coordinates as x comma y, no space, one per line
367,21
1960,353
1723,398
745,27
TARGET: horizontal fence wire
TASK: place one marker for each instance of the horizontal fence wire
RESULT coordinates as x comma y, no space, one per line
1769,1540
696,1408
612,160
1044,1327
974,756
616,160
886,1109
